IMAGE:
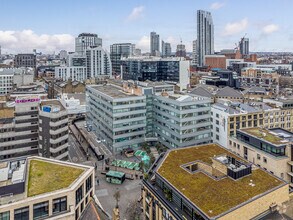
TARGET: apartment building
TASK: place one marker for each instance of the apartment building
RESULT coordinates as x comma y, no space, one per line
53,130
269,149
38,188
176,186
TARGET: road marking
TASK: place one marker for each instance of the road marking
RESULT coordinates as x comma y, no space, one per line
102,192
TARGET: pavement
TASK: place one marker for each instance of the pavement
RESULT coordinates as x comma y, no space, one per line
130,190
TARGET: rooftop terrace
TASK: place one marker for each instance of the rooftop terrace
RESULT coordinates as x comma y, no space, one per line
213,196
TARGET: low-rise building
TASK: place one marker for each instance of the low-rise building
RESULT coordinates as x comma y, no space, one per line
228,117
267,148
209,182
266,78
35,187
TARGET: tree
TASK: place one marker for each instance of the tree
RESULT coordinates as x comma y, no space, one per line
117,197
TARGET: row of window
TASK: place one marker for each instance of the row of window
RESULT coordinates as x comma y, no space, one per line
40,210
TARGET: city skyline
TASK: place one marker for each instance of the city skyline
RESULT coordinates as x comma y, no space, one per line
53,29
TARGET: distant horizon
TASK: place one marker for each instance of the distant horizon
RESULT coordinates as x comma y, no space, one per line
28,26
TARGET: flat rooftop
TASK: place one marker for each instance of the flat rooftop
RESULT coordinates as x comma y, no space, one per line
274,136
53,103
112,91
213,196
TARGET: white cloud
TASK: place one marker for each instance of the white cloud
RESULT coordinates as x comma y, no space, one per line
270,28
27,40
136,13
144,44
217,5
236,27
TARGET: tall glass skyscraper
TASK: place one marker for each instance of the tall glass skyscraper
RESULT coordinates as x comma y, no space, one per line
155,43
244,46
205,35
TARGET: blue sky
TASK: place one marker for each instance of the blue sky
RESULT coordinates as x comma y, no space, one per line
52,25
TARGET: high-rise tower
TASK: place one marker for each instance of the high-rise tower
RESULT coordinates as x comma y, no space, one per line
205,35
155,43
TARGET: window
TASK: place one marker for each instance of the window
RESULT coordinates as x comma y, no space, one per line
5,215
217,137
265,160
21,214
79,194
59,205
217,115
282,175
258,156
41,210
217,122
217,129
238,146
88,183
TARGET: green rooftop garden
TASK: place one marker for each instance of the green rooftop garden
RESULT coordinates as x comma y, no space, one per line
211,196
47,177
264,134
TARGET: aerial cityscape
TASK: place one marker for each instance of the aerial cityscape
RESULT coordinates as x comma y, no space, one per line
146,110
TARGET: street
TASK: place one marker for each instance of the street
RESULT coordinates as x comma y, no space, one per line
130,190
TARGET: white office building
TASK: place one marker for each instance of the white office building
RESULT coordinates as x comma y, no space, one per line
76,73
